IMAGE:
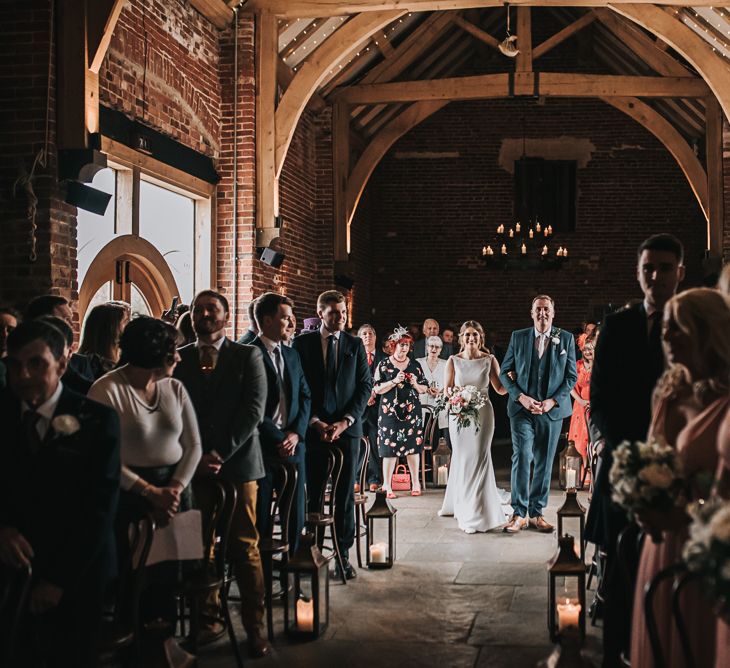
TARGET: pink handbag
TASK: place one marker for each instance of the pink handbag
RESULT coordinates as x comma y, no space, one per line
401,480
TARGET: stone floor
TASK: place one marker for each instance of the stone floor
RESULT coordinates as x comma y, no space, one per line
451,600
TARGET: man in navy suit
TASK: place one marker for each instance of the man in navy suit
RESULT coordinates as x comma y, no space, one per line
59,486
538,371
288,405
336,368
370,418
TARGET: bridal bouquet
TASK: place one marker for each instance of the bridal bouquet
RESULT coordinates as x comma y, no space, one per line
464,404
645,476
707,552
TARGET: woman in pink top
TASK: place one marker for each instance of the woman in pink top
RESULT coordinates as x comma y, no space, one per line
690,402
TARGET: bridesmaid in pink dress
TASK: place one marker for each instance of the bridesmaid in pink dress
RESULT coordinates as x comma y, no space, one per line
578,432
690,403
722,656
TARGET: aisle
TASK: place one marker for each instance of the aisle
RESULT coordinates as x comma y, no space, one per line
452,600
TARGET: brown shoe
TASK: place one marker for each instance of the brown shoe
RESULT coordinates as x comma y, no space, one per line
540,524
515,524
259,647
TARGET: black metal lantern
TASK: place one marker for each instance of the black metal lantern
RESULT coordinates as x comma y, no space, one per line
572,521
381,533
566,590
306,610
441,464
571,468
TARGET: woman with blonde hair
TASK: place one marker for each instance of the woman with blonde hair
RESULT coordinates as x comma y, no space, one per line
472,496
690,402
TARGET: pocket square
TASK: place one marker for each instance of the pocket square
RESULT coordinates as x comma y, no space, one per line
563,352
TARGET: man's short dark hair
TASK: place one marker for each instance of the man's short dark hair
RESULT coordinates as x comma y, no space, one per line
9,310
252,311
330,297
663,242
148,343
33,330
268,304
214,295
43,305
61,325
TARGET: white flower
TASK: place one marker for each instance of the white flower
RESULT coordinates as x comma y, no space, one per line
65,424
555,340
467,396
720,525
657,475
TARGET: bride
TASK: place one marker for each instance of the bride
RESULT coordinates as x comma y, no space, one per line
472,496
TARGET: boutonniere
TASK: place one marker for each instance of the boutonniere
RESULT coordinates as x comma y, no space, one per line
555,336
65,425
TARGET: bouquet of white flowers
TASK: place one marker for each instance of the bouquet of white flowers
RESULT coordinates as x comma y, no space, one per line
463,403
645,476
707,552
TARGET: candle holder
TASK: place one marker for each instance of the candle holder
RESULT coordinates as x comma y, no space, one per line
566,589
571,468
441,463
381,533
572,521
306,607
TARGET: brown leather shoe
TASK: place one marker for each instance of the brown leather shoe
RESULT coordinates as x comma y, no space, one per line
540,524
515,524
259,647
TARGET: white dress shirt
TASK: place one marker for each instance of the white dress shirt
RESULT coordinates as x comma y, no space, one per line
541,340
277,359
216,344
45,411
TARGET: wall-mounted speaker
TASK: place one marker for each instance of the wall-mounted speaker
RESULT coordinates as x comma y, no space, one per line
87,198
271,257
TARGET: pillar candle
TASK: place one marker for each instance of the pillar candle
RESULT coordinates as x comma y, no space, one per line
305,615
568,614
378,553
443,475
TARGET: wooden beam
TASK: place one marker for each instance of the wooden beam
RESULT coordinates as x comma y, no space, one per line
100,23
559,37
307,8
340,170
266,42
346,39
715,178
216,11
673,141
523,62
476,31
379,146
285,75
488,86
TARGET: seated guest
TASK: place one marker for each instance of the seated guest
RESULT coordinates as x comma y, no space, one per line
288,404
49,305
447,337
252,332
160,443
78,375
370,418
9,319
690,403
227,386
291,331
434,368
100,339
430,328
59,484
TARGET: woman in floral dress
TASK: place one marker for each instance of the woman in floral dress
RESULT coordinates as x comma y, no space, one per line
399,380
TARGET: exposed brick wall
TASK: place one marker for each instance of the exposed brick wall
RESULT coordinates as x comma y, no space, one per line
429,218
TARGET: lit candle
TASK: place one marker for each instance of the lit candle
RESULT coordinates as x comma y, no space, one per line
568,614
518,227
544,250
504,249
532,234
560,252
443,475
524,249
511,232
565,252
545,232
485,251
538,227
490,251
305,615
550,229
570,477
500,229
378,553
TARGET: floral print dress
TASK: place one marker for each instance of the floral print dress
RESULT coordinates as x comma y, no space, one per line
400,426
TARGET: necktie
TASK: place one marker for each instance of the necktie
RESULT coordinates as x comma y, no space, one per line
208,358
277,363
30,428
655,338
540,345
330,399
370,359
280,414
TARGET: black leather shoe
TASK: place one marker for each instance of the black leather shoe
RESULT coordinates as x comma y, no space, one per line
350,572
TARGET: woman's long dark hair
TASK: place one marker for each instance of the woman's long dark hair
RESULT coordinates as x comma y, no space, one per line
102,330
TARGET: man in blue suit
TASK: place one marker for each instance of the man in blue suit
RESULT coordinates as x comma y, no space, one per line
538,371
288,405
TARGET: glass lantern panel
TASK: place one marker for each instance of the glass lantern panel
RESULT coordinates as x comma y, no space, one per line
323,599
567,602
379,541
301,603
441,469
571,527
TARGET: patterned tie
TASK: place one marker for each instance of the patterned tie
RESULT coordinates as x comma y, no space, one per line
208,358
330,398
30,428
370,359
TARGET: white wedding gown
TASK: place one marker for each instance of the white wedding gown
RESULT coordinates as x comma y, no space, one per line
472,496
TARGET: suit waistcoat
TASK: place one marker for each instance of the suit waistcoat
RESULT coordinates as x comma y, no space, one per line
539,372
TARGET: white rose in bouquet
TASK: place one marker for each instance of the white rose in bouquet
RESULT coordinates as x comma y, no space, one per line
657,475
467,395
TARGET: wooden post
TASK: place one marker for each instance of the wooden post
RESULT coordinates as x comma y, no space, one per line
266,63
524,39
341,170
715,180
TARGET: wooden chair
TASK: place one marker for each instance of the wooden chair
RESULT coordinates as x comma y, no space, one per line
14,592
211,576
430,442
671,573
361,499
124,628
318,522
272,544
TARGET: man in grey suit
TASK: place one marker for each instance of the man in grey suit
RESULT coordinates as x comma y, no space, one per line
253,330
430,328
227,385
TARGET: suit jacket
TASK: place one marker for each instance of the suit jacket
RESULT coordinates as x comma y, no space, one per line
419,350
353,382
625,371
298,397
229,405
247,339
561,377
371,412
64,498
79,375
